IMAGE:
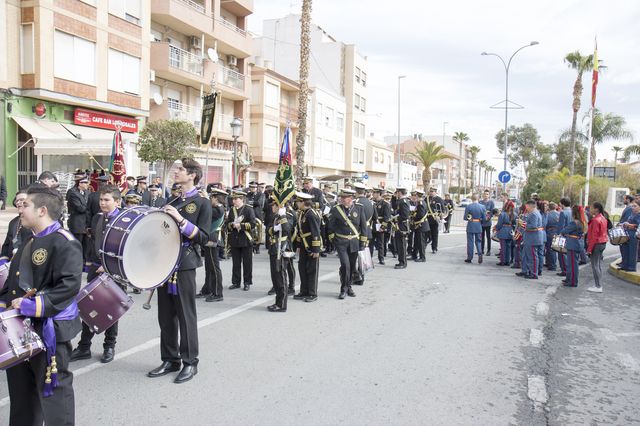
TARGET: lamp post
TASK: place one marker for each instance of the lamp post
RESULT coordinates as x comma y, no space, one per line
236,128
400,77
507,65
445,188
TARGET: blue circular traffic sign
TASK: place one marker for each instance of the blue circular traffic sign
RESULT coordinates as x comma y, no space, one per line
504,176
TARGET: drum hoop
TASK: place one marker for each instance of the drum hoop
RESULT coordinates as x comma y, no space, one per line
16,360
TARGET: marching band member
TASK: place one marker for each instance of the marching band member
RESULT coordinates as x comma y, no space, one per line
436,207
389,235
240,223
574,231
77,198
177,299
630,248
370,217
504,229
565,219
400,239
155,198
448,202
383,213
347,228
41,390
626,214
486,221
597,242
212,289
420,225
279,232
517,239
552,228
474,213
308,246
531,242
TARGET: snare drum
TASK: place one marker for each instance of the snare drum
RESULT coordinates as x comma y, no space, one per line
18,339
4,274
141,247
559,244
102,302
618,236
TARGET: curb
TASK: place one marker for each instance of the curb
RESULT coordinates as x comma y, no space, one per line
630,277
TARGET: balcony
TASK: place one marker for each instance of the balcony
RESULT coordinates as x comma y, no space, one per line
239,7
232,83
231,39
190,113
185,16
178,65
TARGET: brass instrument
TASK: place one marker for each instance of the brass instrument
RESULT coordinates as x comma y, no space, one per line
258,232
469,216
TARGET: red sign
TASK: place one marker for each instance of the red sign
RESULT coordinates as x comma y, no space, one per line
85,117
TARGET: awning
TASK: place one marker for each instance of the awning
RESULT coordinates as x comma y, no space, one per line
53,138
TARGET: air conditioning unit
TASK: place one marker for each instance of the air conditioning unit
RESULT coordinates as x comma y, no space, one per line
195,42
152,75
232,60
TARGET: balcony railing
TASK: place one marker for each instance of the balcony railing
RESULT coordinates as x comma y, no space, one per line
224,124
194,5
232,27
231,78
190,113
185,61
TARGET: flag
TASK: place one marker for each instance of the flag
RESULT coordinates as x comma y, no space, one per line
594,79
284,186
117,168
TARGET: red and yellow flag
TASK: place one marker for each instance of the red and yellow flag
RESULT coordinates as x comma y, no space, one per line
594,79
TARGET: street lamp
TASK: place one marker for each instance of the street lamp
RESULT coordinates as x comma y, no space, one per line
400,77
236,128
507,65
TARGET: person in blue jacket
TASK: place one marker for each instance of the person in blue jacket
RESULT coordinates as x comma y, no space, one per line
543,208
565,218
504,231
574,232
531,242
474,213
489,205
626,214
552,228
630,248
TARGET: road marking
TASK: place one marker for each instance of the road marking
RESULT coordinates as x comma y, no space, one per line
632,334
156,340
629,362
542,309
608,334
537,391
536,337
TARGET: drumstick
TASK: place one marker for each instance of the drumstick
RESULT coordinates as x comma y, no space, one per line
147,304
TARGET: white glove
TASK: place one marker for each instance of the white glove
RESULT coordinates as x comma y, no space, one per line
282,211
277,227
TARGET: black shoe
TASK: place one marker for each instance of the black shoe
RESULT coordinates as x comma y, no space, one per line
212,298
79,354
246,287
357,283
108,355
582,262
520,274
323,254
271,292
561,274
343,294
480,259
467,261
234,286
165,368
291,291
351,293
399,266
489,253
421,260
187,373
202,295
275,308
434,251
299,296
531,277
310,299
380,261
501,264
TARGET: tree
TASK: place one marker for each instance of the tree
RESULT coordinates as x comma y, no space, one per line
460,138
580,64
491,169
562,183
542,165
303,98
616,150
166,141
474,150
427,154
482,177
564,154
524,146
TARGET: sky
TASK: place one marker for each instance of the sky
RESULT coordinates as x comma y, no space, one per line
438,46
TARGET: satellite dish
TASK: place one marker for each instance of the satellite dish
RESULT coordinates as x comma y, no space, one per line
157,98
212,54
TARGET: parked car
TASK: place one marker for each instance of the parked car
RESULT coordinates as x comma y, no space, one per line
465,202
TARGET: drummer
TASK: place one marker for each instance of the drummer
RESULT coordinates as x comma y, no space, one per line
132,199
110,199
42,389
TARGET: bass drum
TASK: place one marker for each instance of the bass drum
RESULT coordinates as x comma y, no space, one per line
18,339
102,303
141,247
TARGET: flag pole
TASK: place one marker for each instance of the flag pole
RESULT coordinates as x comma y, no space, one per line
588,171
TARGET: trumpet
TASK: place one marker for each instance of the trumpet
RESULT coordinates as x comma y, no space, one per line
469,216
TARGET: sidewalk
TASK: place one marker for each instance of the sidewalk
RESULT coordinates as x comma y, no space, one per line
630,277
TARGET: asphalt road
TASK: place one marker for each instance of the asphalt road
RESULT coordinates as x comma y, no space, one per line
441,342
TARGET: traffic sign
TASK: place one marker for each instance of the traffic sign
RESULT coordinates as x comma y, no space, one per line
365,176
504,176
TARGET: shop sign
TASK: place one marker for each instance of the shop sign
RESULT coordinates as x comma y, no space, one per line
85,117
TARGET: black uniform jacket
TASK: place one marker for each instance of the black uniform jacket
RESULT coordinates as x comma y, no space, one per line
403,214
242,237
195,231
309,234
370,213
420,222
383,215
286,227
77,208
16,236
341,233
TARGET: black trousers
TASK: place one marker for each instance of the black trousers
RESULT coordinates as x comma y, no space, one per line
177,314
348,264
410,249
291,274
418,243
433,232
389,243
278,272
84,242
401,247
242,258
110,334
213,274
308,269
379,239
486,239
26,381
447,223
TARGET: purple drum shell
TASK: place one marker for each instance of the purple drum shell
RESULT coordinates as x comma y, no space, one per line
4,274
13,332
102,303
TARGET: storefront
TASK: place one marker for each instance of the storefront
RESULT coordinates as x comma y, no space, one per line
41,135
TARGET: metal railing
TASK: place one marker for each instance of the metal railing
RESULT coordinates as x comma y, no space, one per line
224,124
232,27
185,61
231,78
190,113
194,5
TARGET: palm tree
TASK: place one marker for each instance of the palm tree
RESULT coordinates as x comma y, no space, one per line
427,154
461,138
491,169
616,150
303,98
580,64
474,150
482,164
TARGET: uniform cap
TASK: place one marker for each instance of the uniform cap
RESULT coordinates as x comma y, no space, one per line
302,196
238,194
359,185
141,179
344,192
217,191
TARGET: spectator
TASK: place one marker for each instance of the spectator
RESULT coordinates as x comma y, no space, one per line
597,242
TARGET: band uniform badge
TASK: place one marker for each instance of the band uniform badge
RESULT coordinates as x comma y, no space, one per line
354,214
39,256
191,208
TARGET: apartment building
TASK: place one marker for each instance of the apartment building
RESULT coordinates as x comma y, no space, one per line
379,163
199,46
71,72
274,106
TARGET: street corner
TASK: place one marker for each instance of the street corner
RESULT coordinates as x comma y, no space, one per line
630,277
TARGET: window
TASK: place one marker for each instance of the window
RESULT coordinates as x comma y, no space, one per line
363,104
272,95
362,133
358,74
319,114
340,122
74,58
357,102
339,151
156,35
381,158
364,79
356,129
271,136
355,155
255,92
329,117
124,72
26,49
361,156
318,148
376,157
327,150
126,9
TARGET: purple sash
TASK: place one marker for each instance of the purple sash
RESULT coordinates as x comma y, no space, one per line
49,339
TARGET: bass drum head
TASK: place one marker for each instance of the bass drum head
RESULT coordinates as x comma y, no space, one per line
152,250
